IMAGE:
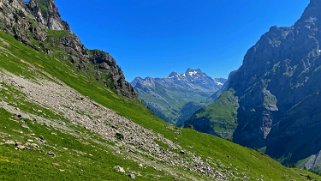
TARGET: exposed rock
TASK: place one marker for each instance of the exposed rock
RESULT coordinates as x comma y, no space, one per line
51,154
106,64
312,163
10,142
278,86
59,98
132,175
35,20
33,146
119,136
20,146
119,169
46,13
24,126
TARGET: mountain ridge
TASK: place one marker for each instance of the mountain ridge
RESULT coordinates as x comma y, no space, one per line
277,90
38,24
59,121
175,97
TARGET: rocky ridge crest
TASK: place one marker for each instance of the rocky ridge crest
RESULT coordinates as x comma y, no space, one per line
38,24
278,92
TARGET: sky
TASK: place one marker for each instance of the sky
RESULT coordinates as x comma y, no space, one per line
152,38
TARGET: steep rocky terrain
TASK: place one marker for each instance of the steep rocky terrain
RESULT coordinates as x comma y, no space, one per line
38,24
277,91
176,97
59,120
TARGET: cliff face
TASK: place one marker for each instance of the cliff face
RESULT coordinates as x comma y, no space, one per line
278,86
278,90
38,24
46,13
278,73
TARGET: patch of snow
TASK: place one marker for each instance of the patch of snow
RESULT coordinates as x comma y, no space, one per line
219,83
192,73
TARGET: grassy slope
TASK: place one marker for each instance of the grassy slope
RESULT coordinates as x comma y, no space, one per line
74,159
222,114
175,98
77,157
223,153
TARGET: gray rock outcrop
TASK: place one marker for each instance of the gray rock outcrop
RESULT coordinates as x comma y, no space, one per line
38,24
278,89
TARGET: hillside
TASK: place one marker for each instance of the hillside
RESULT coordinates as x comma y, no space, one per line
61,122
277,89
176,97
218,118
38,24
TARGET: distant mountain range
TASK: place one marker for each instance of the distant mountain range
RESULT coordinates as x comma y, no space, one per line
68,113
272,102
176,97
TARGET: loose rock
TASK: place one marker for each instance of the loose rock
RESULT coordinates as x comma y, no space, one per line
51,154
119,136
119,169
10,142
132,176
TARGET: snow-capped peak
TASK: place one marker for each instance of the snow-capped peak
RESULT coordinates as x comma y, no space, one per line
192,73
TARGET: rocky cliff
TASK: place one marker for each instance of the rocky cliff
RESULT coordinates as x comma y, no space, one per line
59,123
38,24
278,91
278,75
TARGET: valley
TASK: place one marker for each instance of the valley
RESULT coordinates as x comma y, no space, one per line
68,112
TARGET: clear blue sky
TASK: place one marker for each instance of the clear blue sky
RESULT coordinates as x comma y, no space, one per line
156,37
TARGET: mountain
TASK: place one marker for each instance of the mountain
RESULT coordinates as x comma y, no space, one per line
38,24
218,118
176,97
61,121
272,102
